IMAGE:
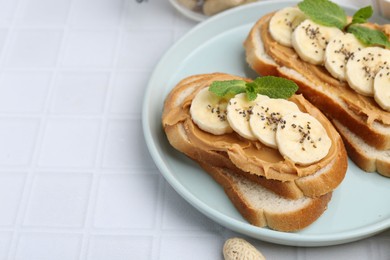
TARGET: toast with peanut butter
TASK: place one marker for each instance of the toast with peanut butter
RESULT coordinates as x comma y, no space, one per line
345,78
305,159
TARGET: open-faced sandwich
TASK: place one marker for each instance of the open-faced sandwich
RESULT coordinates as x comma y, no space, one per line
342,66
275,154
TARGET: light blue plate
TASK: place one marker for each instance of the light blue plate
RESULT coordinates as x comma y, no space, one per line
360,206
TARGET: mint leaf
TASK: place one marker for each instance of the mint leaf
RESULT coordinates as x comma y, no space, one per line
227,87
362,15
251,91
324,12
271,86
369,36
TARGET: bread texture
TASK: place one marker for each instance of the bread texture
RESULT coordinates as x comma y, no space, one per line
357,115
366,157
249,158
261,207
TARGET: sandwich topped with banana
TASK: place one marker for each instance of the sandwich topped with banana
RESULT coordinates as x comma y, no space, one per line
341,65
258,137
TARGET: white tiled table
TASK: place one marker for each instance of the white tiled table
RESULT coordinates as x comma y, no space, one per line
76,179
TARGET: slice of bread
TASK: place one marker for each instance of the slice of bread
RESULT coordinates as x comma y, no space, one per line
250,158
359,114
366,157
261,207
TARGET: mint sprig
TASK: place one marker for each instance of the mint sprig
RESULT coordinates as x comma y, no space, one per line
228,87
362,15
271,86
324,12
369,36
329,14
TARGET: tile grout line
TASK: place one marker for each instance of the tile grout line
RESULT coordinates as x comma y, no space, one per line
108,231
11,28
75,69
131,117
28,179
74,170
161,194
37,148
59,68
159,218
104,120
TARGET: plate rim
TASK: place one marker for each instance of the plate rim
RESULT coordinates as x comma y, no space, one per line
291,239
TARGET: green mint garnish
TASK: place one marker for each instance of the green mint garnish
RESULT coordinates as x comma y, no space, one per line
362,15
369,36
324,12
271,86
329,14
228,87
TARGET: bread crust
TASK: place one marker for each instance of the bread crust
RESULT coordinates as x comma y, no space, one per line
287,221
362,158
320,182
335,99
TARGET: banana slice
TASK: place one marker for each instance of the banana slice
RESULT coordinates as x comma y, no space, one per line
363,66
302,138
208,111
338,51
283,23
382,88
239,111
266,116
310,39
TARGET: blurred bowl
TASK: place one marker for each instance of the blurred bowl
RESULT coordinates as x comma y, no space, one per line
196,14
382,7
193,15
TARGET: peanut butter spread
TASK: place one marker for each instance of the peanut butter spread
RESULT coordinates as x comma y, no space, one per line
250,156
362,106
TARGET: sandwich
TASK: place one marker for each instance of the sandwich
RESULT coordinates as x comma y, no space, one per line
341,65
266,151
